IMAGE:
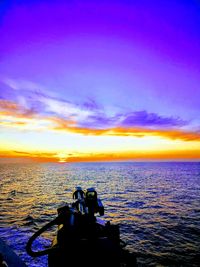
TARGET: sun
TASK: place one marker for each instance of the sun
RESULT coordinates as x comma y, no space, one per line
62,157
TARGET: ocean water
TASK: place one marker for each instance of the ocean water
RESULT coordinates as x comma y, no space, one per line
157,206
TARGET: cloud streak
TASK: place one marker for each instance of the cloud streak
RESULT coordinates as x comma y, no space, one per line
13,115
143,118
35,110
24,156
136,132
11,108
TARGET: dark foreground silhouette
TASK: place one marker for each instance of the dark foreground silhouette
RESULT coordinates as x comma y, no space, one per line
82,238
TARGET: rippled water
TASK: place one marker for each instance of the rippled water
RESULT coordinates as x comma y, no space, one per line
156,204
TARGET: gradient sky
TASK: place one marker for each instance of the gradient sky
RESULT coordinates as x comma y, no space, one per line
100,80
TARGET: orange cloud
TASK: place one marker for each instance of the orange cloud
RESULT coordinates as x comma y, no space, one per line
87,157
13,115
12,109
135,132
28,156
8,105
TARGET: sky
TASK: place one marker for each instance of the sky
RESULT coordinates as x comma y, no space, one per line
99,80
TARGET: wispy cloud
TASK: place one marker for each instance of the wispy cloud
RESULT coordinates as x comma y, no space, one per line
91,104
35,109
11,108
143,118
98,121
28,156
135,132
32,96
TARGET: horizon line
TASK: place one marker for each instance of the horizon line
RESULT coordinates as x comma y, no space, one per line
28,160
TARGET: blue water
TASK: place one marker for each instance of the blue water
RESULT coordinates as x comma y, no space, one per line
157,206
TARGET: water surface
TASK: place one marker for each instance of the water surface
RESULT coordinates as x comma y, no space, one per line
156,204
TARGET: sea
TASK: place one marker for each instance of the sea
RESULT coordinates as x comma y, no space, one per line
155,204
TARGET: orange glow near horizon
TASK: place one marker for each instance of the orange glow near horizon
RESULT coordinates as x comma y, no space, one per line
42,138
192,155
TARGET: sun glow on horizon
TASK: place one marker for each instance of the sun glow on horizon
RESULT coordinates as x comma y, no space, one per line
98,148
62,157
69,143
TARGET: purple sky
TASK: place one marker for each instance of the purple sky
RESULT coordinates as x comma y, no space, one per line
109,63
